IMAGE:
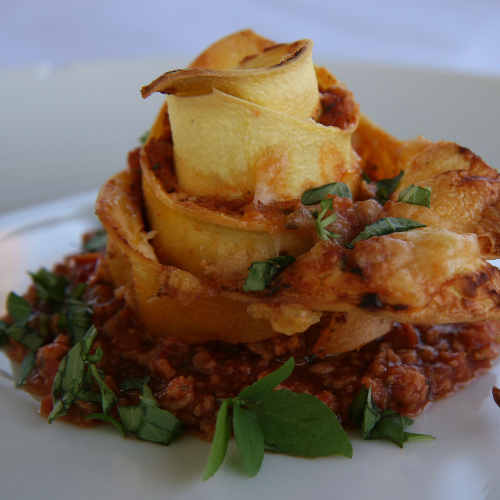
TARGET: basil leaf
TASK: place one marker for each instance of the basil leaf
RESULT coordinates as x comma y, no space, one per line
386,187
387,225
363,411
107,418
272,447
409,437
51,288
265,385
89,396
416,195
26,336
28,364
3,332
71,376
134,383
315,195
131,417
300,424
79,319
97,242
366,177
109,398
18,308
78,291
219,444
321,223
249,439
158,426
262,272
390,427
144,137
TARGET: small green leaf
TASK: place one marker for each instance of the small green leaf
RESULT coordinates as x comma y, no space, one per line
77,292
18,308
79,319
326,204
249,439
410,437
134,383
157,425
315,195
262,272
131,417
97,242
390,427
265,385
107,418
300,424
386,187
89,396
51,288
366,177
416,195
3,332
387,225
220,442
26,336
109,398
28,364
144,137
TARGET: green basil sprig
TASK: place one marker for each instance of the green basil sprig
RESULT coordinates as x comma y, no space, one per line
315,195
97,242
51,288
386,187
283,421
148,421
381,424
387,225
326,204
73,379
416,195
262,272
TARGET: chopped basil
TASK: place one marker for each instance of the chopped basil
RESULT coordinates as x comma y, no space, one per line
416,195
220,441
326,204
108,396
51,288
262,272
277,420
144,137
72,376
366,177
315,195
134,383
19,309
78,319
3,332
26,336
97,242
386,187
387,225
107,418
148,421
381,424
28,364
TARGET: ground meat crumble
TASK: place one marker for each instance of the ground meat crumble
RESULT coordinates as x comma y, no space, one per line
407,368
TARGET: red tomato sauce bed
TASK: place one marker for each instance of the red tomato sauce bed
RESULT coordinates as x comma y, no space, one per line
407,368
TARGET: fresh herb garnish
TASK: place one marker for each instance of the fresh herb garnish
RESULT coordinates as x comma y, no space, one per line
97,242
283,421
387,225
262,272
386,187
381,424
78,319
51,288
148,421
416,195
326,204
144,137
107,418
19,309
28,364
315,195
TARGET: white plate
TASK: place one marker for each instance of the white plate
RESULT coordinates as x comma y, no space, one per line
62,461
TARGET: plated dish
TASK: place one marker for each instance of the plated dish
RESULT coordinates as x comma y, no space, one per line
154,169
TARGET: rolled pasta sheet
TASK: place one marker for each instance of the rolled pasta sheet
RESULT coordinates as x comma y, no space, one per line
225,146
